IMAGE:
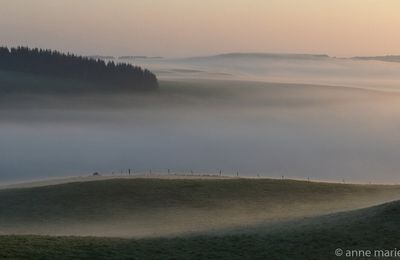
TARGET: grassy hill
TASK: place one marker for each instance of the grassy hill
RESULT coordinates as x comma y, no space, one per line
145,207
314,238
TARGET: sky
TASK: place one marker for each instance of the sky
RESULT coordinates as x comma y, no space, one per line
177,28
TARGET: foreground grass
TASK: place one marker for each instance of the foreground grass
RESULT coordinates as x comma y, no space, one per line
230,219
317,238
154,207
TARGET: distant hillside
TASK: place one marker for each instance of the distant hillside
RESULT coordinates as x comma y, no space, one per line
101,57
138,57
261,56
107,76
13,82
387,58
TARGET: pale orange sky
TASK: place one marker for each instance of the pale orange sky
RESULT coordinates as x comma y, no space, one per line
198,27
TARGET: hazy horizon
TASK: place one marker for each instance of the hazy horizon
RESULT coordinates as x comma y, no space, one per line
205,104
180,28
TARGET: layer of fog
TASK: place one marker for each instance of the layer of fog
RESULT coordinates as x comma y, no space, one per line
284,68
300,131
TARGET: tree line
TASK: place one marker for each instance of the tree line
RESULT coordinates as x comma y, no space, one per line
116,76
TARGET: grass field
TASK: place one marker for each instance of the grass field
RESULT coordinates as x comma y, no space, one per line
195,218
316,238
145,207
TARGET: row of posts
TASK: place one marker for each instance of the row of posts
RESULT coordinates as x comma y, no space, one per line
150,172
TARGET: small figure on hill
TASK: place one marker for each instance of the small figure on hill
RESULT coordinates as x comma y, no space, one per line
96,174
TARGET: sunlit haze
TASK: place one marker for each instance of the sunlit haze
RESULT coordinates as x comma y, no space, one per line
189,28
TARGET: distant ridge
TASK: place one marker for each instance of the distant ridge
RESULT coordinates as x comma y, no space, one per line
387,58
101,57
256,55
138,57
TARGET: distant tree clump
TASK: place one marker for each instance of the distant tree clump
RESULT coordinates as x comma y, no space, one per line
108,75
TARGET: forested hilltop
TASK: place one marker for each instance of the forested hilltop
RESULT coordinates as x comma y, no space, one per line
99,75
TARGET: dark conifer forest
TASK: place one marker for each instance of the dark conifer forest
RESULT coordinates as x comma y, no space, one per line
108,76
